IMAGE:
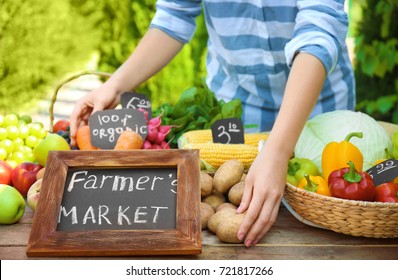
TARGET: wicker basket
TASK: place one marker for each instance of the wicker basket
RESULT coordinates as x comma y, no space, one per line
357,218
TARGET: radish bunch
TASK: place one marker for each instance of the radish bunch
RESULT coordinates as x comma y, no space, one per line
156,138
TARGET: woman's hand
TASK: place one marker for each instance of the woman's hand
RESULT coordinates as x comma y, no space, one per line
264,187
100,99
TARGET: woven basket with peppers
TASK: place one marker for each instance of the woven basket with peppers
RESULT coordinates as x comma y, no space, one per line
344,198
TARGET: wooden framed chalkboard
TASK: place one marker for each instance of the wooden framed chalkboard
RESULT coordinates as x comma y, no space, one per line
118,203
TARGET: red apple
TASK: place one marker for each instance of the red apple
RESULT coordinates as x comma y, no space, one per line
24,175
34,194
5,173
61,125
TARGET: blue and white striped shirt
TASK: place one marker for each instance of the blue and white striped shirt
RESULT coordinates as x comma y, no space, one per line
252,44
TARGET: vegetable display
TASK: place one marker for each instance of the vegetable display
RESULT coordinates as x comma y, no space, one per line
347,183
316,184
335,126
387,192
197,108
336,155
298,168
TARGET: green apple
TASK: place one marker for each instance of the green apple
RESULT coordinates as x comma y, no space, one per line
12,205
52,142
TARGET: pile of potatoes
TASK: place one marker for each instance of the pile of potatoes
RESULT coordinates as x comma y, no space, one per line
221,194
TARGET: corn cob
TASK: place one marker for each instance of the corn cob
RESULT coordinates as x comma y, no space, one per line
205,136
215,154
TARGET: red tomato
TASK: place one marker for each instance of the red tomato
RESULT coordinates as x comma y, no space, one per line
61,125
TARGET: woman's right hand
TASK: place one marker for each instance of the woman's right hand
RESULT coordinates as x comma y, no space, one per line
99,99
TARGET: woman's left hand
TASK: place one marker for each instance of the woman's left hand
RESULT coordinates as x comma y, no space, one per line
264,188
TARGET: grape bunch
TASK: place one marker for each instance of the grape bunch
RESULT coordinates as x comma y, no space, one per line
157,133
18,137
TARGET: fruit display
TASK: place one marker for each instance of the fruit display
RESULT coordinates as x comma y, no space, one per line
24,175
52,142
12,205
19,135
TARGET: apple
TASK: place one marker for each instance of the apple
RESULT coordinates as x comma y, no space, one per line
61,125
40,174
12,205
33,194
5,173
24,175
52,142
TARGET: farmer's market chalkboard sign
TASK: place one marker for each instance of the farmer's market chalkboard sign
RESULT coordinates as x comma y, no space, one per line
118,203
123,198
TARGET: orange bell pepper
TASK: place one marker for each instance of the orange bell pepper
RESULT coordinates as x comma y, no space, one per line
316,184
336,155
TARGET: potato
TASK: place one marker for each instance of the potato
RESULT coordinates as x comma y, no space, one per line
227,175
214,199
236,192
206,211
206,184
218,217
225,205
227,230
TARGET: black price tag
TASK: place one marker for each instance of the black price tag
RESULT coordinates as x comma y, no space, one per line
228,131
384,172
135,100
107,125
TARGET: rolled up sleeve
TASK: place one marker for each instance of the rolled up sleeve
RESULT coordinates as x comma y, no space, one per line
177,18
320,29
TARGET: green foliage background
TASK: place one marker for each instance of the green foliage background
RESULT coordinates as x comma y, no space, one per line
40,42
376,53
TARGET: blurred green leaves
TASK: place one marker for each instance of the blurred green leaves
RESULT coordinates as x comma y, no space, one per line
43,42
40,42
376,65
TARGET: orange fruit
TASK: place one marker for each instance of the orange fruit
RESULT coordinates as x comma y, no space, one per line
129,140
83,140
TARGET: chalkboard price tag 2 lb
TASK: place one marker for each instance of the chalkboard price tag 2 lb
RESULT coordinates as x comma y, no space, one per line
135,100
106,126
384,172
228,131
118,203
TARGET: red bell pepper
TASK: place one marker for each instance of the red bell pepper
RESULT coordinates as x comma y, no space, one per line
387,192
347,183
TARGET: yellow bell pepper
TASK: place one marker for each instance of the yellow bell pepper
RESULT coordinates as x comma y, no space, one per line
337,155
316,184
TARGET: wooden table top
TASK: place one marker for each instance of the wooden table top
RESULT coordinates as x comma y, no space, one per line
288,239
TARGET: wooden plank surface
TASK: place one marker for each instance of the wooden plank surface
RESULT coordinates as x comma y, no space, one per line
288,239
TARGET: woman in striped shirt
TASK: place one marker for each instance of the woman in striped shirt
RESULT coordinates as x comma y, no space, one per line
286,60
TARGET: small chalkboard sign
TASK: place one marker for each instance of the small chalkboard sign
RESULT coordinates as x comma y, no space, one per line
106,126
228,131
384,172
135,100
118,203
